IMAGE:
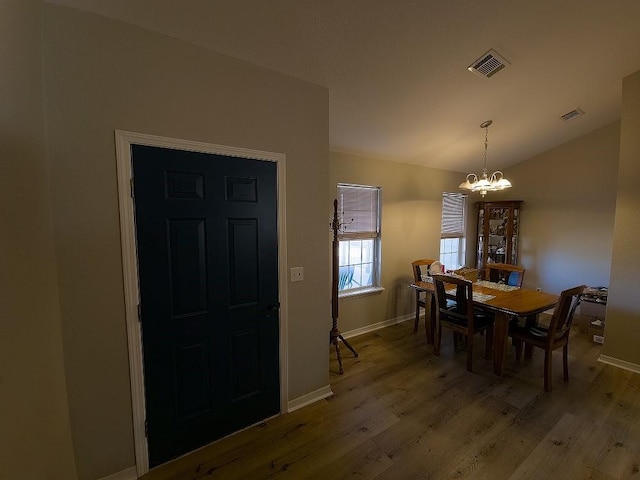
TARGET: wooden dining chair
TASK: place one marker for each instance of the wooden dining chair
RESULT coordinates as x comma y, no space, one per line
460,317
554,336
505,273
510,275
420,267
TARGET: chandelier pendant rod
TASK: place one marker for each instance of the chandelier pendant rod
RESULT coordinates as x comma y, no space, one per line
486,125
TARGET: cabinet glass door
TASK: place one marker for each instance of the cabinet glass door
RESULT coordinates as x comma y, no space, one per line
480,243
514,237
498,230
498,223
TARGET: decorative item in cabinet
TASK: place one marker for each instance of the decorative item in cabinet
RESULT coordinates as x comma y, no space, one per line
498,230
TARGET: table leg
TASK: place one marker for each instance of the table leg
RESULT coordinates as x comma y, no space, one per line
500,337
429,317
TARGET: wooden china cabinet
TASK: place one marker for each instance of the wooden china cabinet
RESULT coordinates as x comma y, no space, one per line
498,231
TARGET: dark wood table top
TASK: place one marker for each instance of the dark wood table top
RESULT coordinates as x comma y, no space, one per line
520,302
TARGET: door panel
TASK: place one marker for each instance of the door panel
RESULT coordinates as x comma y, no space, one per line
243,261
193,377
187,266
206,230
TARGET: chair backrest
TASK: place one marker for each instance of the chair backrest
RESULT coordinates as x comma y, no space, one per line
420,267
464,298
563,313
345,276
509,274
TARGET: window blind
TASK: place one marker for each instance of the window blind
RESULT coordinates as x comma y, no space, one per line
358,208
453,215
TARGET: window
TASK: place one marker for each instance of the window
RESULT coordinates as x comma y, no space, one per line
452,238
359,239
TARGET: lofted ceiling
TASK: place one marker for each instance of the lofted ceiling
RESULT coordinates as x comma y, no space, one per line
396,70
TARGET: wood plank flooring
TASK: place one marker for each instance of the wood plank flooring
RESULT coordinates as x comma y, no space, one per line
401,413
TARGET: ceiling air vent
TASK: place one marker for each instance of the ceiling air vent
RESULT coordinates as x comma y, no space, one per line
573,114
488,64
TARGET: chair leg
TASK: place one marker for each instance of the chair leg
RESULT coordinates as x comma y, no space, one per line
417,320
547,370
430,318
518,345
437,340
512,321
528,351
469,352
565,361
530,321
488,345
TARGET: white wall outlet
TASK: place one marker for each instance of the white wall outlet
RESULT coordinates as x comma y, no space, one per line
297,274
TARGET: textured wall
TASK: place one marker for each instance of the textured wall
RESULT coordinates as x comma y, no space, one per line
35,436
567,218
102,75
622,329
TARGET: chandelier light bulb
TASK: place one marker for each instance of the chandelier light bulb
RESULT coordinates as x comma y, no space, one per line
486,183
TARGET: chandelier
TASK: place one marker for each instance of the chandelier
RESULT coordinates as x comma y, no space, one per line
485,183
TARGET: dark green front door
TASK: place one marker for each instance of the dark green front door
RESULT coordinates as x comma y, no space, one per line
206,229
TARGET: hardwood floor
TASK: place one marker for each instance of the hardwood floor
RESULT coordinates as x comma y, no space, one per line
401,413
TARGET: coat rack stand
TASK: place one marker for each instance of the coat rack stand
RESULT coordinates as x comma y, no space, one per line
335,337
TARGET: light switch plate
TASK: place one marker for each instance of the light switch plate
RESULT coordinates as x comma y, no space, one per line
297,274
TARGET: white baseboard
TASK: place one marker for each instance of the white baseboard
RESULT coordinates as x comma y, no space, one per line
309,398
632,367
377,326
128,474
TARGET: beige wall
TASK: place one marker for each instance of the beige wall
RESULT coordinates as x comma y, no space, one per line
567,218
35,437
622,329
103,75
411,219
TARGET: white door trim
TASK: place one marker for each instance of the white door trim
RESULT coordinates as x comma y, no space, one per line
124,140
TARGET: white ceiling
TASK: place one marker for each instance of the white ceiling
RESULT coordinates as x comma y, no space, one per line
397,73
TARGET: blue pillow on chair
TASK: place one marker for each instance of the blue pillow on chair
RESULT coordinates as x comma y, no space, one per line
514,279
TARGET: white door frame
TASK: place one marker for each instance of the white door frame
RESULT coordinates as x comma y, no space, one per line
124,140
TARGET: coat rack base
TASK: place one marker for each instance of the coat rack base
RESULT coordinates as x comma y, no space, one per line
335,337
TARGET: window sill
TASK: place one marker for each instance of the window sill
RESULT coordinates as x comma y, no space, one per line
360,292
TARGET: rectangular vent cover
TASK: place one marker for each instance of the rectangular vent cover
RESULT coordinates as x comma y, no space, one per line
573,114
488,64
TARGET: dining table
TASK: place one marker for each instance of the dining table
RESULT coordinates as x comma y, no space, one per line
503,301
